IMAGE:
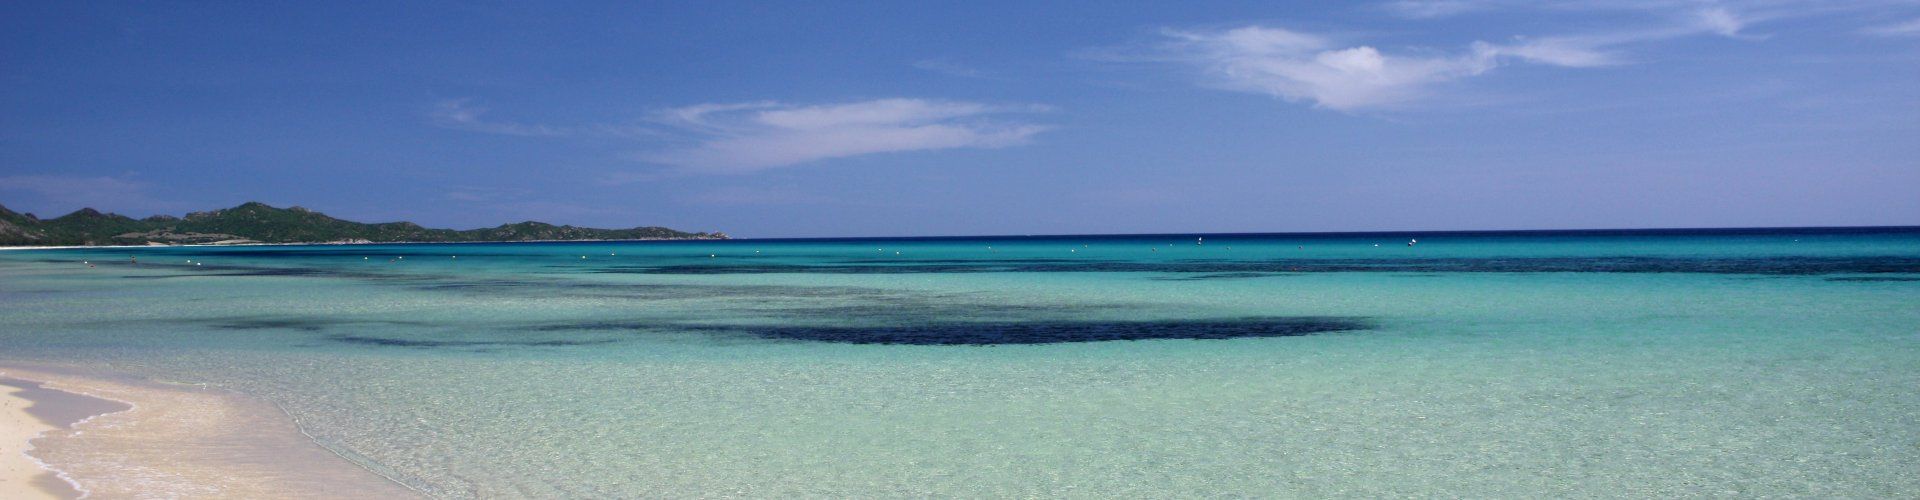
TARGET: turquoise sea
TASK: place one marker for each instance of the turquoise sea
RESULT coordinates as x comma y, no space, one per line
1718,363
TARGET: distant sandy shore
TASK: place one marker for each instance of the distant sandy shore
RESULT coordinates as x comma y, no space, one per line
67,247
344,243
70,247
64,435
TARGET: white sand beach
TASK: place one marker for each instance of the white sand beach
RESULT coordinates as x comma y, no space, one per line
162,440
20,475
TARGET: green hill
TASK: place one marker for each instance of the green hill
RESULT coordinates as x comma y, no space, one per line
256,222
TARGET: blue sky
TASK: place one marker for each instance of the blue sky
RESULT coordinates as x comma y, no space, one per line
925,118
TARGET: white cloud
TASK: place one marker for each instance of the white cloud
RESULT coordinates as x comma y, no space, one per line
950,68
1728,18
1571,52
745,137
1719,21
1430,9
1315,69
459,114
1308,68
1909,28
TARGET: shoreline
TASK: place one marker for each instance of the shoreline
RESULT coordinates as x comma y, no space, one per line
1385,233
339,243
164,438
25,418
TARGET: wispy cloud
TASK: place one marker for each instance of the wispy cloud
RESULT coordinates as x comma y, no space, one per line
750,136
746,137
746,195
1430,9
1567,51
462,114
1309,68
1435,9
1327,73
1719,20
1726,18
1909,28
950,68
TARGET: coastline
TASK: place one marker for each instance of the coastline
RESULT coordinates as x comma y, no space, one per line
341,243
132,438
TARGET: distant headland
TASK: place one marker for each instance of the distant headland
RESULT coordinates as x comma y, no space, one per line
255,222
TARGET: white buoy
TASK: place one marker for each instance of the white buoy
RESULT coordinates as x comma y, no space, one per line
712,255
196,263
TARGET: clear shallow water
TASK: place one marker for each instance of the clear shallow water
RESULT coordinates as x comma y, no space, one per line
1516,365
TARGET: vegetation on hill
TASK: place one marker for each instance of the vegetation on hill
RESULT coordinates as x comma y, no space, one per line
256,222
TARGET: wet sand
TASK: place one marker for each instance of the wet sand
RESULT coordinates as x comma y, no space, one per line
27,411
122,438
